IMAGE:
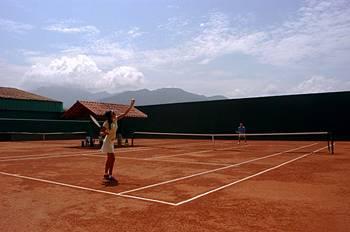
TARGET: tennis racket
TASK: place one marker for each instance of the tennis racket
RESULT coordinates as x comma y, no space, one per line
95,121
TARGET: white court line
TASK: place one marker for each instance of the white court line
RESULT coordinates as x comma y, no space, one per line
182,154
133,149
171,161
229,148
147,199
84,188
214,170
170,145
42,155
185,144
123,194
48,155
191,162
194,152
248,177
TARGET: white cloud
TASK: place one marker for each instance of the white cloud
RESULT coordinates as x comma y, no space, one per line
135,32
174,24
120,78
28,53
316,84
104,52
67,65
320,29
82,71
214,38
173,6
11,75
318,33
241,87
111,48
65,28
254,87
12,26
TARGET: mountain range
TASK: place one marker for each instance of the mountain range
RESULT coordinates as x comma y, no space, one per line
69,95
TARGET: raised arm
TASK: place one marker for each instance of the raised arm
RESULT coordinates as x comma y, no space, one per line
132,102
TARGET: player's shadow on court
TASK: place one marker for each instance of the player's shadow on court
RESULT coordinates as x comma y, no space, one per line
110,183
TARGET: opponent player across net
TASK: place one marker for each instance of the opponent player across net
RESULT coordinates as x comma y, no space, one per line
241,133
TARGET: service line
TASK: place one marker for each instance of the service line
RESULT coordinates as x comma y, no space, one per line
194,152
215,170
249,177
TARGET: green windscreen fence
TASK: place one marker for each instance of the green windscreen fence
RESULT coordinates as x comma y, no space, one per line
32,129
326,112
31,105
17,108
294,113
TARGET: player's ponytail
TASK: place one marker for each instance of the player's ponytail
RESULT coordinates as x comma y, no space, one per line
108,115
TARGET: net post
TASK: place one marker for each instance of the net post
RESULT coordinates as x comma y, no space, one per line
332,143
132,139
213,141
329,142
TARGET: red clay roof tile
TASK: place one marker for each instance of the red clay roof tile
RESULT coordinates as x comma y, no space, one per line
13,93
97,109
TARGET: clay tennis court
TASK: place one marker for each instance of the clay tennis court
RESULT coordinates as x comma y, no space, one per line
176,185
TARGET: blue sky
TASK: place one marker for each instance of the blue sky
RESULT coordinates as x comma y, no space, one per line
232,48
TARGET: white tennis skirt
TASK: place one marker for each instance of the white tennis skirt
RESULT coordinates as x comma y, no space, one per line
107,146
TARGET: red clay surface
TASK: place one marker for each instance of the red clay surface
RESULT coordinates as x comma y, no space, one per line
182,185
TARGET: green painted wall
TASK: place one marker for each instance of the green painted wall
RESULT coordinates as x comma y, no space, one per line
13,108
294,113
45,126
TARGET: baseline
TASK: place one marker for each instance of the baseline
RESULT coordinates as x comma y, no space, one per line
83,188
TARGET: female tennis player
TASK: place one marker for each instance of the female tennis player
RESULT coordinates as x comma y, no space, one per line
109,130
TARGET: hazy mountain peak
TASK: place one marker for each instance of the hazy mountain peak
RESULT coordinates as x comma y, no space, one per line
159,96
69,95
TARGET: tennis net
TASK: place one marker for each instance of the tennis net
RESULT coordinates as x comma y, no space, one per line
183,140
23,136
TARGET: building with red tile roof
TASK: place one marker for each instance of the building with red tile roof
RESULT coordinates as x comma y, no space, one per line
16,103
82,110
13,93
